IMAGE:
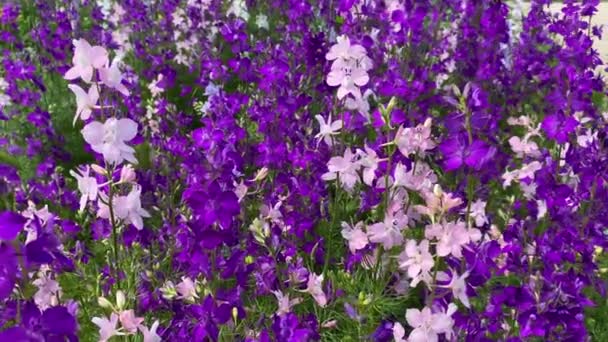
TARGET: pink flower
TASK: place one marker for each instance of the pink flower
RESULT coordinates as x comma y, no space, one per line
129,208
112,77
285,304
107,327
344,50
109,139
150,335
398,332
356,237
85,102
427,325
327,129
346,167
417,260
451,236
48,292
349,77
129,321
416,140
369,161
127,174
86,57
437,201
187,289
388,232
421,179
86,185
314,288
459,288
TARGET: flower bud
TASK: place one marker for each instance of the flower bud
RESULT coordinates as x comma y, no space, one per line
104,303
120,299
437,191
261,174
98,169
127,174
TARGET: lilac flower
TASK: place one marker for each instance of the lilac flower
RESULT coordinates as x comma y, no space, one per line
107,327
327,130
150,335
474,155
356,237
416,260
11,225
345,168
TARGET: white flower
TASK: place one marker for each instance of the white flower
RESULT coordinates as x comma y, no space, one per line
417,260
285,304
86,185
48,292
427,325
478,213
109,139
262,21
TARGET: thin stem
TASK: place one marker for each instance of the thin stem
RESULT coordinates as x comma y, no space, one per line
114,230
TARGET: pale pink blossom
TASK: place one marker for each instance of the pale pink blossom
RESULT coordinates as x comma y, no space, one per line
361,104
451,236
345,166
356,237
399,332
112,77
127,174
327,129
416,260
415,140
49,291
314,287
388,232
421,179
369,162
129,208
109,139
240,190
129,322
187,289
86,59
86,185
344,50
477,213
150,335
523,147
285,304
348,76
107,327
428,326
437,201
85,102
459,288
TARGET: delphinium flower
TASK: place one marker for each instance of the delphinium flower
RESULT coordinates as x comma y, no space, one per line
86,59
87,186
349,68
428,325
344,169
109,139
85,101
327,129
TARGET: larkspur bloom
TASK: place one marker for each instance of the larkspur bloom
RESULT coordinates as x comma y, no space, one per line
187,290
451,236
478,213
416,260
85,101
437,201
150,335
348,76
107,327
285,304
388,232
398,332
356,237
112,77
346,168
109,139
327,130
129,322
428,326
86,59
87,186
415,140
314,287
368,159
129,208
459,288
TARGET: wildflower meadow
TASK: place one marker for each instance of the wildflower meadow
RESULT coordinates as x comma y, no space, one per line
302,170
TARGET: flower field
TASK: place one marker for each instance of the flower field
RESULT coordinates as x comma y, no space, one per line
302,170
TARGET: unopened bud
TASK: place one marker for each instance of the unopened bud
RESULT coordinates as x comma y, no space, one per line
104,303
98,169
120,299
437,191
261,174
127,174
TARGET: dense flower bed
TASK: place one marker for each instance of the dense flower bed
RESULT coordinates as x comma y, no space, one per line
300,170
